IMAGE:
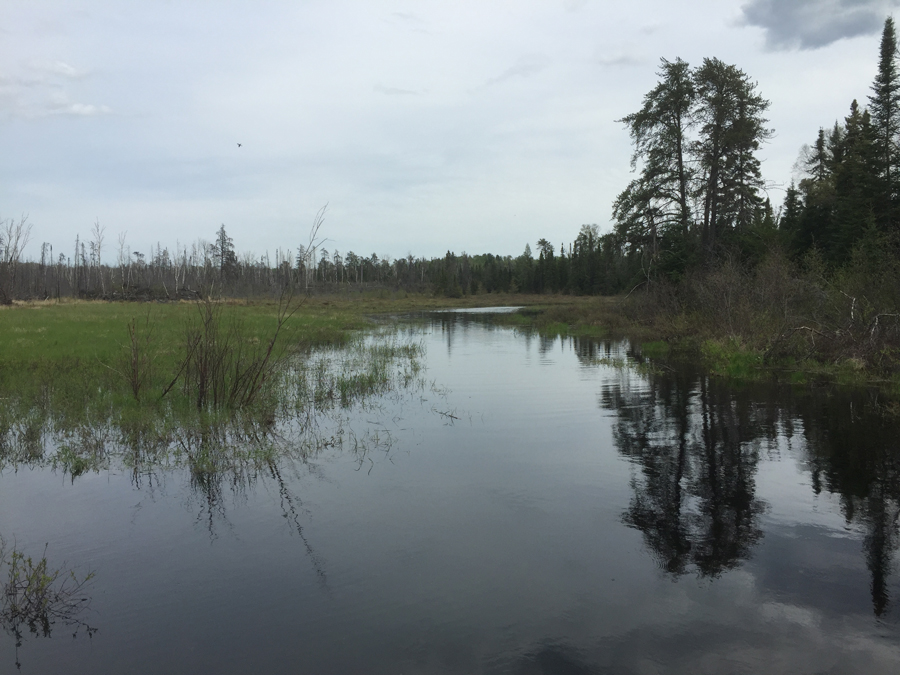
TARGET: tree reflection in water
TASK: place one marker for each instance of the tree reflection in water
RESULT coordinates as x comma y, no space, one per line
696,441
854,451
694,498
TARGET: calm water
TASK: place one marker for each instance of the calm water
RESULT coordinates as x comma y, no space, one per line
531,507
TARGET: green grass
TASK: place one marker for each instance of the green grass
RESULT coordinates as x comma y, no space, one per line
62,376
70,355
73,358
564,315
731,359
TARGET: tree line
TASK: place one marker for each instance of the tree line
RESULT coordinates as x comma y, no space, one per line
699,194
698,198
584,267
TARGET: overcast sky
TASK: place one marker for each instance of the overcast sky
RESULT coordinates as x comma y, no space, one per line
425,126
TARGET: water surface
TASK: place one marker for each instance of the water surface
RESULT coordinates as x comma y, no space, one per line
533,505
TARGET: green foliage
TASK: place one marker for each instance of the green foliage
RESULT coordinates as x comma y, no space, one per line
730,358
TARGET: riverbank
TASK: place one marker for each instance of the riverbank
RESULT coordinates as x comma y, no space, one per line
97,342
761,349
153,360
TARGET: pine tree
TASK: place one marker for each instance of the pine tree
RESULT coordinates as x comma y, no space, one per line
815,226
791,213
224,254
731,129
659,133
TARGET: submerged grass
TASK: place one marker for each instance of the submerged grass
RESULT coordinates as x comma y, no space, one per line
368,366
73,409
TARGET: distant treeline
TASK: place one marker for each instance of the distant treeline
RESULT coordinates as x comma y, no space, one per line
698,201
585,266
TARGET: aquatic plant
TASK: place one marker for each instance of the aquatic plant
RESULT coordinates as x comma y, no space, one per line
37,596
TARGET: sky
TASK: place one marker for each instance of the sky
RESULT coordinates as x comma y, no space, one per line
424,126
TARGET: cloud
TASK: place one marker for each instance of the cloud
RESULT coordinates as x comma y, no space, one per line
621,60
811,24
60,104
526,67
44,88
82,110
407,16
60,68
574,5
393,91
411,21
42,74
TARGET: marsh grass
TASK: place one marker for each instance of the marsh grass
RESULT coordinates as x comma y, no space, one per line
76,358
78,417
368,366
568,317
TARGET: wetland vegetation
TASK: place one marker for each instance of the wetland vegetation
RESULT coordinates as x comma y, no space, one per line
665,409
429,480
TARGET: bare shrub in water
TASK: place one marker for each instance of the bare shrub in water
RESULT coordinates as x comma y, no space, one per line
139,362
222,364
36,596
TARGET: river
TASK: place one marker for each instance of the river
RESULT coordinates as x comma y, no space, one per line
523,505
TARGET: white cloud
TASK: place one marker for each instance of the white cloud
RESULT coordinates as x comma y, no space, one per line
41,87
82,110
621,60
51,68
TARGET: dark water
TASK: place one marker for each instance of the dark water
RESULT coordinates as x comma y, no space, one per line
533,507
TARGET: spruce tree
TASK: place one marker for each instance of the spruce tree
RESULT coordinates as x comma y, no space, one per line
856,181
224,253
885,112
816,223
791,211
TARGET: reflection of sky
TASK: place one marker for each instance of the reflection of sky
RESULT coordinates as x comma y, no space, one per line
805,585
483,310
491,541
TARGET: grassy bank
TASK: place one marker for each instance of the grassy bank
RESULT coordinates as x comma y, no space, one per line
75,331
80,350
132,356
68,397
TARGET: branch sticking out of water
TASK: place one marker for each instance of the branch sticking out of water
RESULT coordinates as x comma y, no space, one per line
38,596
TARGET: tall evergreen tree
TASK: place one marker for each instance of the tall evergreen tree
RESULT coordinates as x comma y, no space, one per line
731,129
224,254
856,181
791,211
659,132
885,112
815,225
